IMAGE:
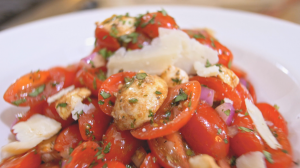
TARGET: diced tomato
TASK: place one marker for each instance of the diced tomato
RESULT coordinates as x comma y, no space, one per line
152,21
150,161
92,78
120,145
50,111
206,132
169,151
38,86
204,37
110,164
68,138
94,123
83,155
30,159
110,86
49,165
142,40
105,40
244,94
270,113
170,117
222,90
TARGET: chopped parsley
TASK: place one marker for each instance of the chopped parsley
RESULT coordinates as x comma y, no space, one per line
226,141
284,151
62,105
189,152
110,103
268,156
95,83
100,102
107,148
232,161
104,94
176,80
18,102
163,12
133,100
219,131
212,42
227,112
245,129
229,64
128,166
158,92
101,75
70,150
141,76
113,31
37,91
181,96
276,106
104,166
151,21
246,113
89,99
199,36
105,53
207,64
132,37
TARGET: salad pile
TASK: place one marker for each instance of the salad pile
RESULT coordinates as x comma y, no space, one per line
149,95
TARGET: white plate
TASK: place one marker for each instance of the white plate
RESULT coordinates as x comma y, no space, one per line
268,49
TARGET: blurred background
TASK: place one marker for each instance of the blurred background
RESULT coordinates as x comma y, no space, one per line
17,12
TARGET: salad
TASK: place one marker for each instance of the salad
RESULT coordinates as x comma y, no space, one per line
149,95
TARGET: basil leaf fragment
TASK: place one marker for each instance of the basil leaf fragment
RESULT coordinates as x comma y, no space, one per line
268,156
245,129
62,105
18,102
104,94
141,76
37,91
133,100
181,96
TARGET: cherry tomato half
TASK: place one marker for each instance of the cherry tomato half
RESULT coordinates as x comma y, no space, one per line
104,40
30,159
172,115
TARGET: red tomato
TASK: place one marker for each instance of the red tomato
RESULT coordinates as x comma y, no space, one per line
49,165
204,37
109,87
150,162
122,145
246,140
94,123
104,40
211,135
252,91
110,164
83,155
169,118
222,90
240,73
270,113
68,138
244,94
152,21
92,78
30,159
50,111
38,86
142,40
282,158
169,151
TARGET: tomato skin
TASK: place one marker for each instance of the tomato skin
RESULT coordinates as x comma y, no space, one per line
162,152
96,119
50,111
205,38
83,155
150,162
123,145
206,139
244,94
110,164
282,159
142,40
89,79
270,113
244,142
30,159
179,115
160,20
111,86
104,40
68,137
54,80
221,89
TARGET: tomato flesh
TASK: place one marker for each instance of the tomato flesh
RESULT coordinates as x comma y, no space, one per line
30,159
150,161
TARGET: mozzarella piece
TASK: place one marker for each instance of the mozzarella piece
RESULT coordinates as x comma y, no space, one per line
203,161
172,47
129,115
261,125
206,71
30,133
226,100
81,107
71,100
123,25
250,160
58,95
228,76
174,76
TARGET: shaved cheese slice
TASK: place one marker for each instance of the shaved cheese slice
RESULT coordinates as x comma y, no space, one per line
261,125
30,133
250,160
58,95
226,100
172,47
203,161
80,107
206,71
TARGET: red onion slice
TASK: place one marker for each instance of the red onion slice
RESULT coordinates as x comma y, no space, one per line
207,95
243,82
226,112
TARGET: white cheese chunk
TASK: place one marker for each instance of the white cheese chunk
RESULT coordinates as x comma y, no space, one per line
203,161
81,107
172,47
30,133
58,95
226,100
261,125
251,160
206,71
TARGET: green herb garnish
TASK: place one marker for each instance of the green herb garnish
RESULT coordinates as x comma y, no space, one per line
37,91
